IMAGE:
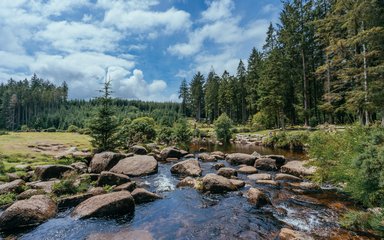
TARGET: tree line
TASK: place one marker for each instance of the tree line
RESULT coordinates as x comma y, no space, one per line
323,62
37,104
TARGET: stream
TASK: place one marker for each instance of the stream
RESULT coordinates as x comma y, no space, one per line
186,213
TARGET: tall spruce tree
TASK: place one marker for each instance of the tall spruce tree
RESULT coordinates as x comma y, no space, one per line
211,96
197,95
184,96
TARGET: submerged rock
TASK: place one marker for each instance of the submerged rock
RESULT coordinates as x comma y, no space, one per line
110,178
227,172
217,184
241,158
123,235
105,205
257,197
289,234
14,186
47,172
298,168
135,166
104,161
143,196
189,167
26,213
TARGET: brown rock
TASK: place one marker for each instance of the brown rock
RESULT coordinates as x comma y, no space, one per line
247,170
286,178
170,152
123,235
217,184
289,234
217,166
70,201
260,176
30,212
187,182
238,183
44,185
104,161
129,186
29,193
298,168
135,166
96,191
14,186
241,158
267,164
80,167
218,155
189,156
47,172
110,204
110,178
189,167
139,150
227,172
257,197
205,157
267,182
12,176
143,196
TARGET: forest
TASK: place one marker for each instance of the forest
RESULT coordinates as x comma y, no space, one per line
323,62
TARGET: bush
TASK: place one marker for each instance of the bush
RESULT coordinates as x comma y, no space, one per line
261,121
182,133
140,130
72,129
223,127
51,129
69,186
165,135
364,221
7,198
293,141
24,128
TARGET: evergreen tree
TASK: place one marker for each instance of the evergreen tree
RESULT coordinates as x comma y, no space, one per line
197,95
252,80
211,96
242,76
184,96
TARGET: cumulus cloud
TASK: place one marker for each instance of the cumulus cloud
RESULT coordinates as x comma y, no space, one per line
217,10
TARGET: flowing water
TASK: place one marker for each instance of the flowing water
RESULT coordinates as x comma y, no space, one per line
189,214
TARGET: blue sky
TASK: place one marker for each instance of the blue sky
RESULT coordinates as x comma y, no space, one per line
149,46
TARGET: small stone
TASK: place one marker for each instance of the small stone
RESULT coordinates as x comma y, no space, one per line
247,170
260,176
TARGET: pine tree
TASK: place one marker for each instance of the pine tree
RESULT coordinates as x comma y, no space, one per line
241,77
211,96
252,80
197,95
104,125
184,96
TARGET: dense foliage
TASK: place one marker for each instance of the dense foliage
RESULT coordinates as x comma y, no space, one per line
324,62
140,130
223,128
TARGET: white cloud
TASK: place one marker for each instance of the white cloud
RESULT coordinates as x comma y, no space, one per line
217,10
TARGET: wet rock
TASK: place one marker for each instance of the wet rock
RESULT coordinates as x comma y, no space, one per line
170,152
80,167
129,186
104,161
14,186
143,196
47,172
30,212
205,157
241,158
227,172
260,176
189,156
238,183
136,166
289,234
286,178
123,235
183,153
189,167
139,150
305,186
267,182
256,154
12,176
44,185
267,164
217,184
280,159
217,166
105,205
29,193
70,201
96,191
247,170
257,197
110,178
298,168
187,182
218,155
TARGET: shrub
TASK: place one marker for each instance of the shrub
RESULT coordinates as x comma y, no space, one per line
51,129
223,127
165,135
24,128
69,185
261,121
140,130
364,221
7,198
285,140
73,129
182,133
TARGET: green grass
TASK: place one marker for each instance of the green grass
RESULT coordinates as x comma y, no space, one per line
7,198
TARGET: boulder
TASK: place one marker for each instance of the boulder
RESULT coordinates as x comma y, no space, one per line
105,205
287,178
47,172
129,186
29,193
227,172
267,164
241,158
218,155
256,154
139,150
14,186
189,156
44,185
260,176
305,186
298,169
217,184
205,157
183,153
247,170
187,182
96,191
122,235
110,178
26,213
289,234
135,166
257,197
12,176
267,182
70,201
170,152
238,183
217,166
92,176
280,159
104,161
80,167
189,167
143,196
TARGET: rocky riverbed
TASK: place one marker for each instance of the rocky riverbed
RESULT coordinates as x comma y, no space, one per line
173,194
